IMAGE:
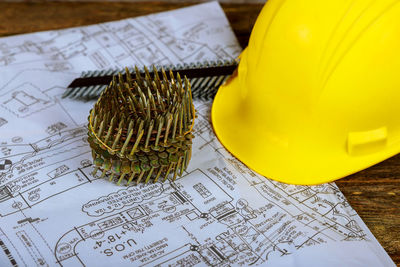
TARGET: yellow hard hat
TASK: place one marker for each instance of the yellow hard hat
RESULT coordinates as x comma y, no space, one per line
317,93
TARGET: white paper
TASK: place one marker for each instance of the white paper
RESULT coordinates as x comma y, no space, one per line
54,212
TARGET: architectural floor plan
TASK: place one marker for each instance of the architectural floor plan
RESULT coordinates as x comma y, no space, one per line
55,212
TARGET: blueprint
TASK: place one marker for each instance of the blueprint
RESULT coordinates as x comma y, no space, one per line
55,212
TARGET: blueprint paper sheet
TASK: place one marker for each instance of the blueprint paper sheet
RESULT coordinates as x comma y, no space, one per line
54,212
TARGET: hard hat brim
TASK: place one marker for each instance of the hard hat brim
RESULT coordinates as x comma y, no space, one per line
271,157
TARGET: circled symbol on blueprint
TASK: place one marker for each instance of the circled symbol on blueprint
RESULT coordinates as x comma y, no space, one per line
17,205
64,248
34,197
17,139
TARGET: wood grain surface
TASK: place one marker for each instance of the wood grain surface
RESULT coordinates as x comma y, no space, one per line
374,193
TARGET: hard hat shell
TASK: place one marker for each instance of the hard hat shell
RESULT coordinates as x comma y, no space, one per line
317,93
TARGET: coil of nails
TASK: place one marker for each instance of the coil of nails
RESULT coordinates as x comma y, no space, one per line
140,129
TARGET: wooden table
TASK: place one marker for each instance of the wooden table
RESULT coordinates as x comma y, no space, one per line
374,193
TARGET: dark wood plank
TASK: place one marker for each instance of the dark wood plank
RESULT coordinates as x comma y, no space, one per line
374,193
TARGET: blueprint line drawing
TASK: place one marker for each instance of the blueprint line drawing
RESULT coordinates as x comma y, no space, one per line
55,212
142,41
26,99
244,229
